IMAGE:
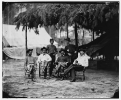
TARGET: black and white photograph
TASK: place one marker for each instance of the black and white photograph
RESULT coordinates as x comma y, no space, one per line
60,49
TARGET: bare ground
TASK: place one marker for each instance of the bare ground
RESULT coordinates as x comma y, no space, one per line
98,84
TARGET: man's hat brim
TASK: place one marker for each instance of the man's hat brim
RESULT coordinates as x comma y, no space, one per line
44,48
82,50
29,50
62,50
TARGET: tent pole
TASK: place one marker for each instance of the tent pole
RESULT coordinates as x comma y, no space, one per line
26,40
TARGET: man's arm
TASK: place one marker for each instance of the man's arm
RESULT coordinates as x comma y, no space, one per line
68,59
48,58
75,61
26,61
66,47
39,58
88,57
55,49
35,60
56,62
47,48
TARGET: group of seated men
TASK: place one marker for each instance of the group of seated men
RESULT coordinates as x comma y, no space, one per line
64,64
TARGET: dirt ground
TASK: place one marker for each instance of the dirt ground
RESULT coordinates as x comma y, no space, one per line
98,84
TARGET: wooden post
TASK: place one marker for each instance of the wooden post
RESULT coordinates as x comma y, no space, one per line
26,40
76,36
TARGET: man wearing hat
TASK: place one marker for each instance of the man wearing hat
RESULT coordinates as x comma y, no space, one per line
79,64
52,51
43,60
30,62
62,61
29,58
71,49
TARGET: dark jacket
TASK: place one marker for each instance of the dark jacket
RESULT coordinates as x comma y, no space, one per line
64,59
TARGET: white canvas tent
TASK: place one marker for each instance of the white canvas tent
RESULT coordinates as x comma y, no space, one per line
4,42
16,39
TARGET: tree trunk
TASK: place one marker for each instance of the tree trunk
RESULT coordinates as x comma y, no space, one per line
8,15
83,38
67,29
93,37
26,40
60,34
76,36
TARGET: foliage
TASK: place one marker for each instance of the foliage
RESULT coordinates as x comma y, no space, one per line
102,17
8,12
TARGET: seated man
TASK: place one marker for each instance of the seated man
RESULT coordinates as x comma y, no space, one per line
79,64
30,63
43,61
62,62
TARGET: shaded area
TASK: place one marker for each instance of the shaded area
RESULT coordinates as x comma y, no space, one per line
107,45
5,95
116,94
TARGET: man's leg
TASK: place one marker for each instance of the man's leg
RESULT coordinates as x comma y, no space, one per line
68,69
45,72
84,73
73,75
57,70
71,70
51,65
33,73
80,68
40,70
51,69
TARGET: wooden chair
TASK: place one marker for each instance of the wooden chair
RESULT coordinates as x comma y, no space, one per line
30,71
42,67
82,69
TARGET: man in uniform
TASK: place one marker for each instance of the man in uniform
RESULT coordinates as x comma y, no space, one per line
51,51
71,49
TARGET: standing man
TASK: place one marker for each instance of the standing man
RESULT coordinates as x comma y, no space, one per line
71,49
52,51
